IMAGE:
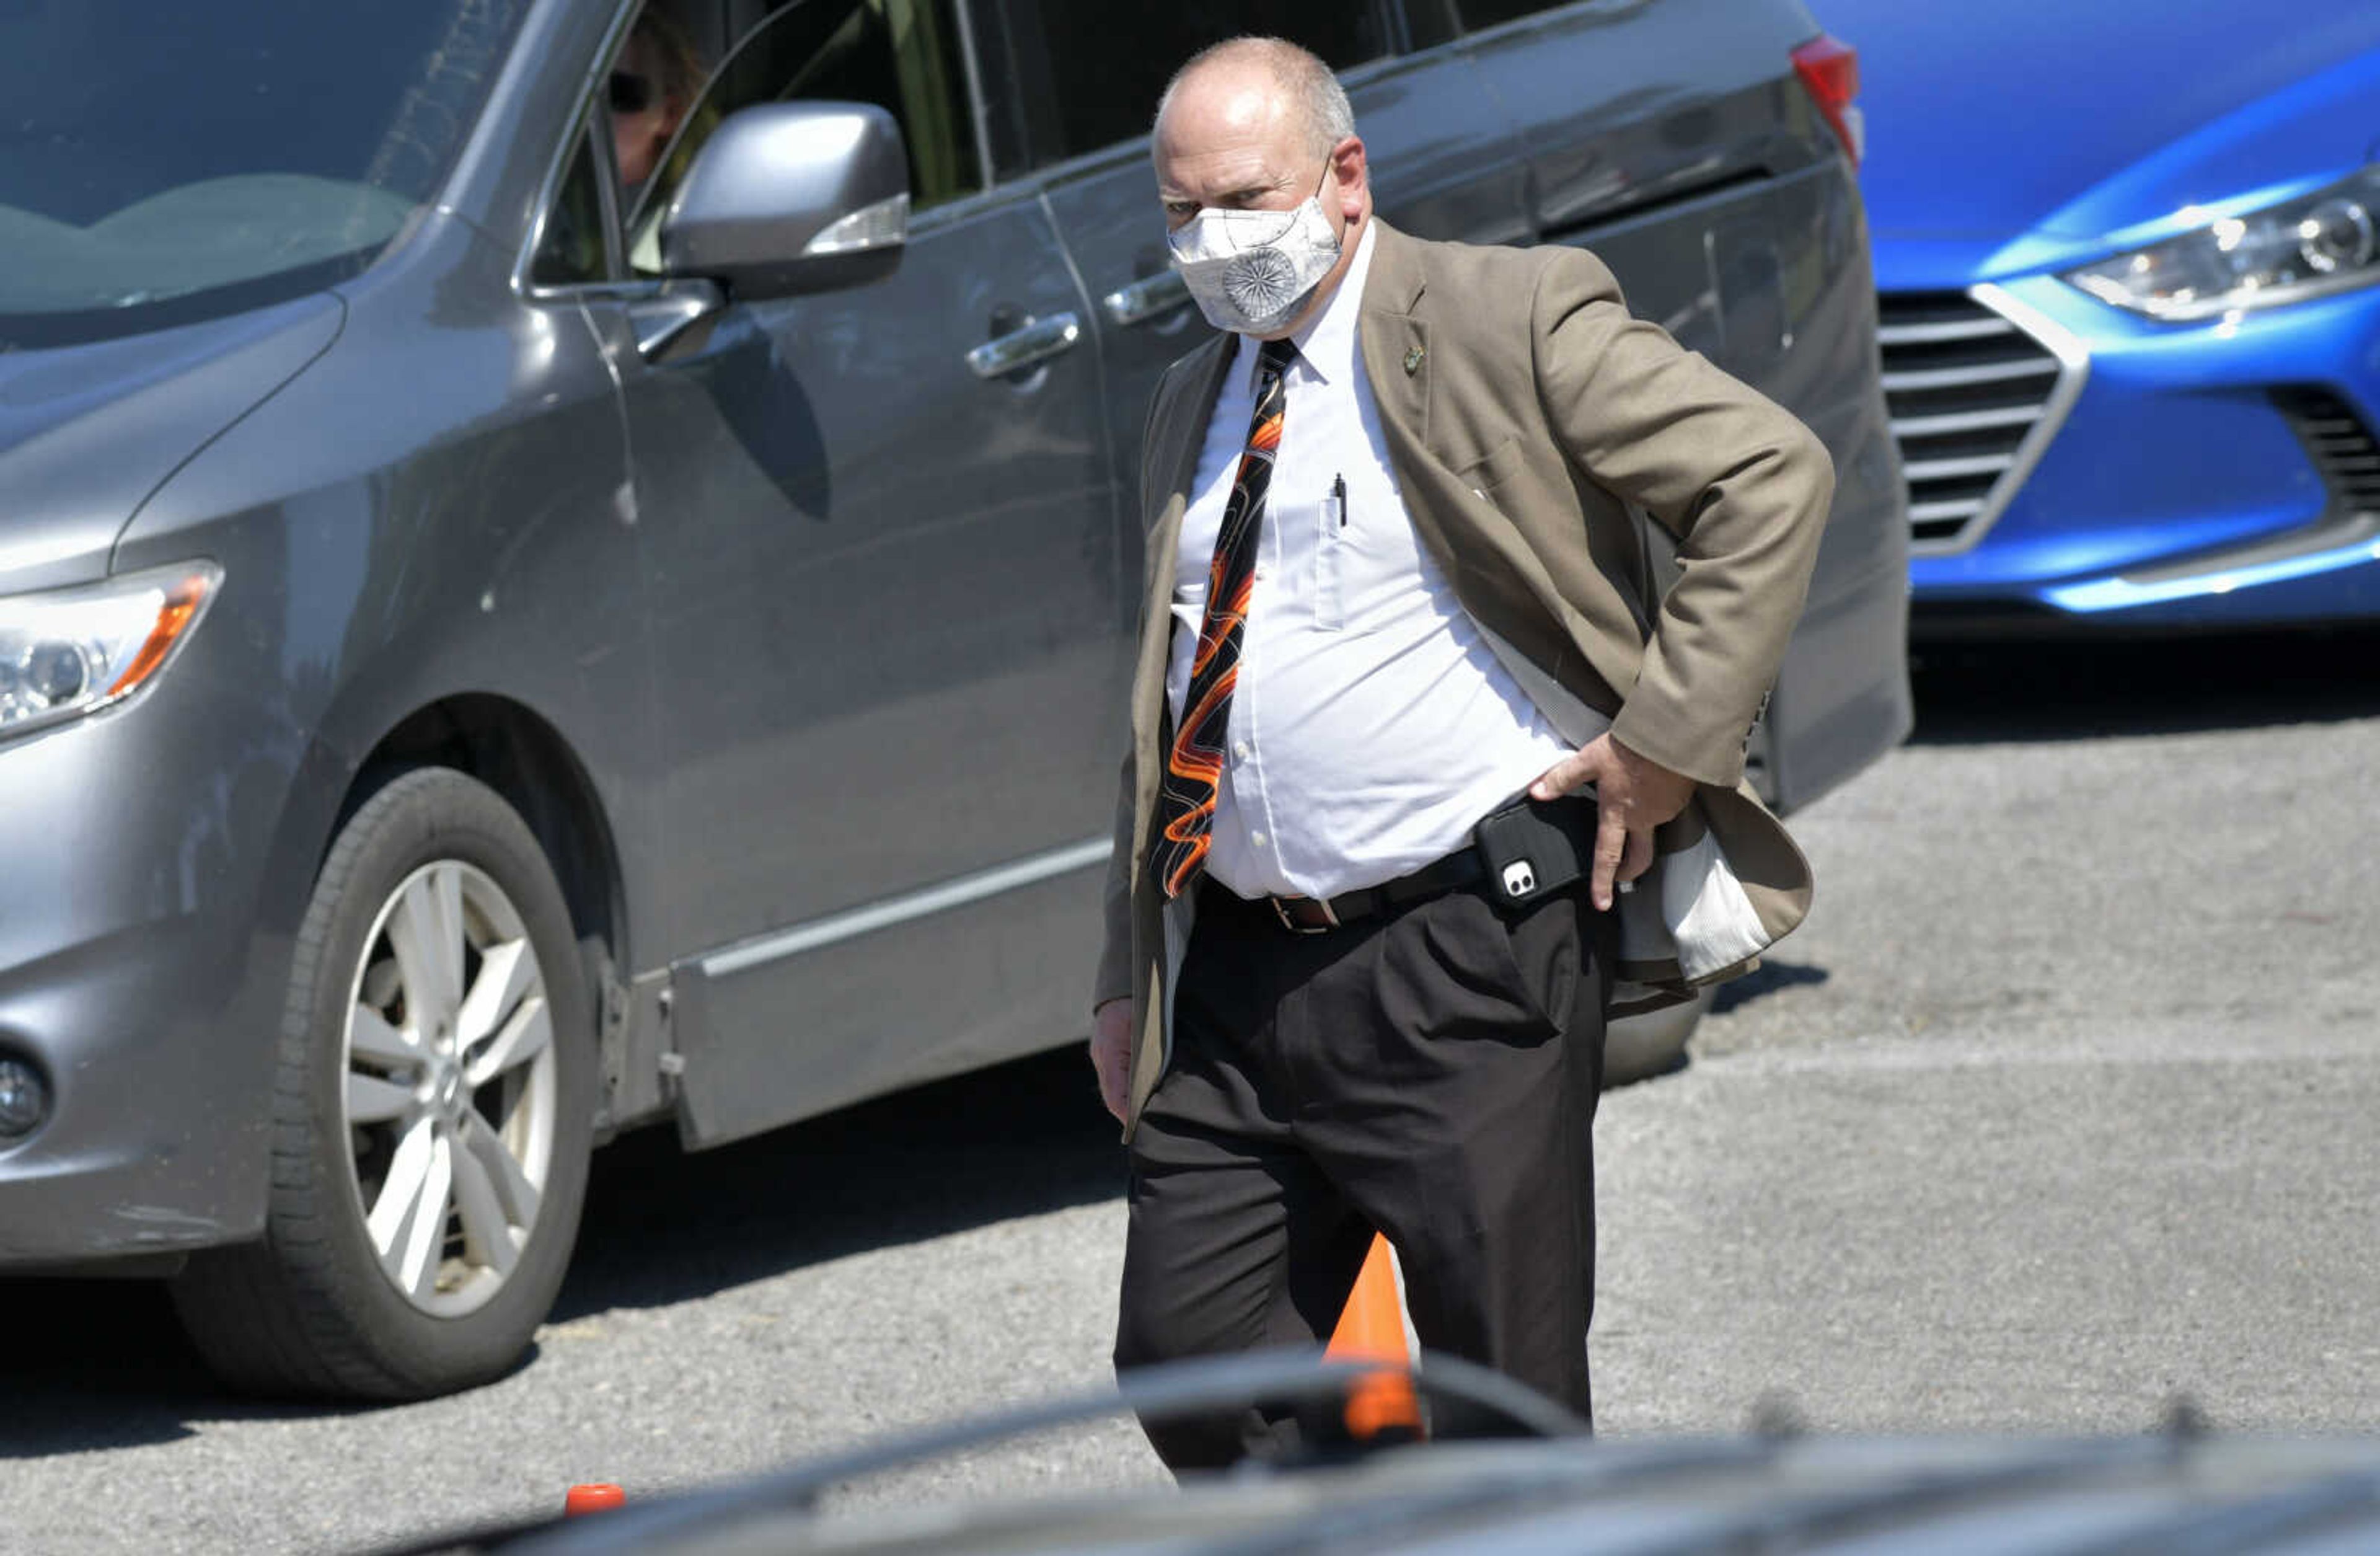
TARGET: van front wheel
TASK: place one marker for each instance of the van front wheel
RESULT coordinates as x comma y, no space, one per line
433,1114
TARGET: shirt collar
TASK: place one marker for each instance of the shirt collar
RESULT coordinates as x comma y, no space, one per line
1327,344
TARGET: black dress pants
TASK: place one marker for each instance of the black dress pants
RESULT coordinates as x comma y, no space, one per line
1431,1074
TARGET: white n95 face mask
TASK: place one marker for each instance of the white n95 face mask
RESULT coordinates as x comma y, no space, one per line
1251,270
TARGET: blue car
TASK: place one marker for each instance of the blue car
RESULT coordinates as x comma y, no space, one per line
2127,256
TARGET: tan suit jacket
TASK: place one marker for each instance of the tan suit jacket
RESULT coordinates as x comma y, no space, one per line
1524,410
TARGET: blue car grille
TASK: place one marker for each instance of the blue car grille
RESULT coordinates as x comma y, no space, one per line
1973,396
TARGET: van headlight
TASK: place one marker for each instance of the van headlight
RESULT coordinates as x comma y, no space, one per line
68,651
2316,244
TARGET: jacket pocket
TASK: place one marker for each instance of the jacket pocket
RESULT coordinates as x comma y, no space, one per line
1494,467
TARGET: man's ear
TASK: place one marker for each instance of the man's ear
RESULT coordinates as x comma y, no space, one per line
1349,171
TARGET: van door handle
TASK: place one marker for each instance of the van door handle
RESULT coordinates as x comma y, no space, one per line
1038,341
1146,298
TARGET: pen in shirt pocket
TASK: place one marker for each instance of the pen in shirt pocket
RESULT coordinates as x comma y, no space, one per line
1339,497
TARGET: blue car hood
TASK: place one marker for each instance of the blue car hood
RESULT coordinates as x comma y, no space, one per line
88,432
2072,119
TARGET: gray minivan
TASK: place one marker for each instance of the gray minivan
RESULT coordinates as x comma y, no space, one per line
491,654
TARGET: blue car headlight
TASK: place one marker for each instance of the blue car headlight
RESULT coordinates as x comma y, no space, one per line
2316,244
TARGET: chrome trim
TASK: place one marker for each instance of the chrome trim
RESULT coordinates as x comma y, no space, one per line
2060,372
909,906
1040,340
1950,469
2073,370
1953,378
1148,297
1942,329
1965,421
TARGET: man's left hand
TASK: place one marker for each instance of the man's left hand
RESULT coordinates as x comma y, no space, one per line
1633,796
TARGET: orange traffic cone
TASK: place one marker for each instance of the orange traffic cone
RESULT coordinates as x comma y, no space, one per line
596,1496
1372,1327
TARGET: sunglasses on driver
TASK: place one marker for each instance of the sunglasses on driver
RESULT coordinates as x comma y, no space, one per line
630,93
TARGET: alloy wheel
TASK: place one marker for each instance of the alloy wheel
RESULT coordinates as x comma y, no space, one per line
450,1092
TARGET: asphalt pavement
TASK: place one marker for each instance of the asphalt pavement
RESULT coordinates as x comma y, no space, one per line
2059,1108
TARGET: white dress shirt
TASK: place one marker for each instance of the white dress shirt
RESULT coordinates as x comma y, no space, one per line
1371,724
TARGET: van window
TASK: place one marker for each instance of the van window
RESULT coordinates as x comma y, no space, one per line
1083,75
1479,14
901,55
165,164
570,250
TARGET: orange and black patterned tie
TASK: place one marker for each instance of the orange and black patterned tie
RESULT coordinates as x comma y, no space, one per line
1185,801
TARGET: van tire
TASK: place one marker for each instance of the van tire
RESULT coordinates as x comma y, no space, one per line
309,1309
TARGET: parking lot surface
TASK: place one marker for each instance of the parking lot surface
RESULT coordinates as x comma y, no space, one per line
2058,1108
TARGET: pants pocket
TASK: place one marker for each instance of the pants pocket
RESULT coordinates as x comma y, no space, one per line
1478,977
1541,952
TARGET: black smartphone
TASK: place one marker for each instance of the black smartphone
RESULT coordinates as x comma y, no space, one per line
1534,847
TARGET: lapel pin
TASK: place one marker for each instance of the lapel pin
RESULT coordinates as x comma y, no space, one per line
1412,360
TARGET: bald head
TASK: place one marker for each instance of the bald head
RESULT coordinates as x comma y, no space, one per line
1270,77
1258,123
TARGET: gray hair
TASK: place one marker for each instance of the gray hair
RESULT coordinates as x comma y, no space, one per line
1300,74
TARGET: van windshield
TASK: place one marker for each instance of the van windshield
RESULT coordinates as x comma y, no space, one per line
161,163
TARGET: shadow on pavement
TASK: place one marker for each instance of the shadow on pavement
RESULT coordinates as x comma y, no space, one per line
664,1225
97,1364
2023,691
1767,978
101,1364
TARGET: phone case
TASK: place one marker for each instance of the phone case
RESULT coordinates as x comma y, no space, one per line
1529,851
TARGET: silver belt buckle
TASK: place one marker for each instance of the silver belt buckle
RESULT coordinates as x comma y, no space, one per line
1281,911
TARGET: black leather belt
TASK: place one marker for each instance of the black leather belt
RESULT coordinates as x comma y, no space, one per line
1313,916
1467,866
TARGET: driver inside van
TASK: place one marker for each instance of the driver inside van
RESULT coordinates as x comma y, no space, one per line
657,77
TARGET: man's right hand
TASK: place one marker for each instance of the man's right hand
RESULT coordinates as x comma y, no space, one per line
1111,1029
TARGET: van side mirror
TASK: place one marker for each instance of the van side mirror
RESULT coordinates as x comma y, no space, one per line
788,197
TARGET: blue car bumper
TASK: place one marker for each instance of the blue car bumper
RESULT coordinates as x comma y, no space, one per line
2074,468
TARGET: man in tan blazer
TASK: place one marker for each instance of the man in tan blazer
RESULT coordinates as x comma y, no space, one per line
1393,587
